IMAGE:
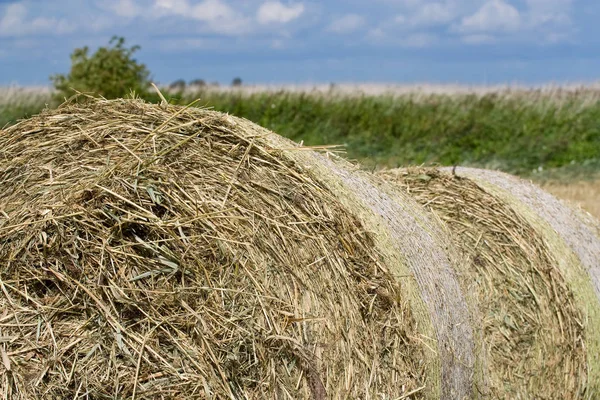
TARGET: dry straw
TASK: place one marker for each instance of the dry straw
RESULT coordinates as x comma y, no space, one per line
533,279
167,252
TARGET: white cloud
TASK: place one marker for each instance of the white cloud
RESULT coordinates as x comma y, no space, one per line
173,7
125,8
186,44
546,21
433,14
275,11
400,19
376,34
217,15
14,22
478,21
543,12
277,44
207,10
100,23
346,24
493,16
417,15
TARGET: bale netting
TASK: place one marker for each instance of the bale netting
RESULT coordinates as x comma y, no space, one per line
533,279
173,252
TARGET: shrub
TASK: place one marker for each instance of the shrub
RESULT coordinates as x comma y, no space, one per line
236,82
110,72
177,86
198,83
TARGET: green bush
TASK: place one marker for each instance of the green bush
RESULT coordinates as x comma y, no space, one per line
110,72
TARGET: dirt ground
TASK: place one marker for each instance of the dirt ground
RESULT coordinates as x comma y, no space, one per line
585,194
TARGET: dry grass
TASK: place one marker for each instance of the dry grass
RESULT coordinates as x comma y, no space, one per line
529,322
584,194
164,252
585,93
28,96
588,91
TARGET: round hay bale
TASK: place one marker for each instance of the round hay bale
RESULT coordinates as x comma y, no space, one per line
169,252
532,264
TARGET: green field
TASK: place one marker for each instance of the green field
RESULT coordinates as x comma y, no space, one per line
534,133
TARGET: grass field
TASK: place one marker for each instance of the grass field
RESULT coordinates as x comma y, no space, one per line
549,134
584,194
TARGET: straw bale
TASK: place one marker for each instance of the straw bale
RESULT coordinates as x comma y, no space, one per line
538,313
167,252
573,238
579,230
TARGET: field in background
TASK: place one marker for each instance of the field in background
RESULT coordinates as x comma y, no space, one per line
16,102
584,194
549,134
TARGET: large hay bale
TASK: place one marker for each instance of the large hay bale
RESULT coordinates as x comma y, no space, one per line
533,265
169,252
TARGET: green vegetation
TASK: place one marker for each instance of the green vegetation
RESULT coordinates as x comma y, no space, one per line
516,133
110,72
17,103
9,113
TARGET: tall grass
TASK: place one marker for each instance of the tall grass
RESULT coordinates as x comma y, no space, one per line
518,131
18,102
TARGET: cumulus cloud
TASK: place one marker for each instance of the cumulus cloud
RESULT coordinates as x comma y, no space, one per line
493,16
213,10
125,8
434,14
346,24
400,19
378,36
478,21
207,10
176,7
543,12
277,12
216,15
15,22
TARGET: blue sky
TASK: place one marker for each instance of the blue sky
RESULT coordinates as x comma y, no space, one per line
269,41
